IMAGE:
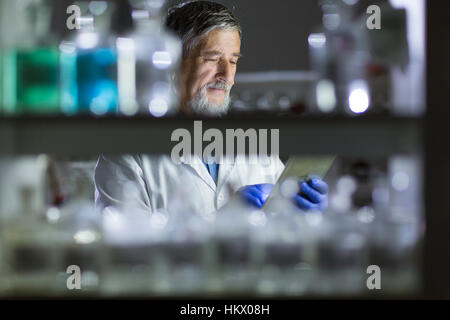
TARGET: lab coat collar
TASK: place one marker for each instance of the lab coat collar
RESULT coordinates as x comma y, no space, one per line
199,167
225,169
202,171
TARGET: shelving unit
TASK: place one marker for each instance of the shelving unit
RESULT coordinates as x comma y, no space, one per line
436,260
372,136
366,136
358,136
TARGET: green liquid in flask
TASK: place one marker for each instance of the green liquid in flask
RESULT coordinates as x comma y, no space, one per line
31,81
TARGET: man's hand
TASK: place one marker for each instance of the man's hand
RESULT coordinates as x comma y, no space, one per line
256,194
313,195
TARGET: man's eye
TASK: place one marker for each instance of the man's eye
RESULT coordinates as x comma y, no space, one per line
233,62
210,59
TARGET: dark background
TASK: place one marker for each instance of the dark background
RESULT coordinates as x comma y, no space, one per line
274,32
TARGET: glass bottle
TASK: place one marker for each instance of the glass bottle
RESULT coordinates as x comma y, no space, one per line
88,68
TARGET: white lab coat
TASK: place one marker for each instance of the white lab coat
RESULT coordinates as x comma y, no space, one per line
157,182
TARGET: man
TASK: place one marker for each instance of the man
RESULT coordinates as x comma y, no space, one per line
211,38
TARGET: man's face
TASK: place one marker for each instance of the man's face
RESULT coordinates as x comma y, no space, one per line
207,74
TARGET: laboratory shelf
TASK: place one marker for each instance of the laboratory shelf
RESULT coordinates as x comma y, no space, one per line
370,135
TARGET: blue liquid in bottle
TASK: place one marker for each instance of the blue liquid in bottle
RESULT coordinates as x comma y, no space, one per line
96,74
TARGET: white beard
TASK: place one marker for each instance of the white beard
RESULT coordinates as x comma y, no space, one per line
200,103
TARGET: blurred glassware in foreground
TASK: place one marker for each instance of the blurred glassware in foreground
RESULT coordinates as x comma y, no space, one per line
374,218
29,245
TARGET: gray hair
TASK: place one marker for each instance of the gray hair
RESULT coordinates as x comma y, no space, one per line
193,20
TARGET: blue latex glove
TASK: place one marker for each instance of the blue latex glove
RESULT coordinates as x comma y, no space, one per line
257,194
313,195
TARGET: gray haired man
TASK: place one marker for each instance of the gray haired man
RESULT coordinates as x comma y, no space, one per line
211,39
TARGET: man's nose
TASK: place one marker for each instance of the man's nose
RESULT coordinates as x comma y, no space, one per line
226,73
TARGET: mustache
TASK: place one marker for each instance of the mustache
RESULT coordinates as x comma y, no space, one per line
219,84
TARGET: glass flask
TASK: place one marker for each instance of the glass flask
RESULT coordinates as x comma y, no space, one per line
31,63
148,60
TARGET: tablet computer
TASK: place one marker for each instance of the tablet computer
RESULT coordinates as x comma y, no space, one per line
303,168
